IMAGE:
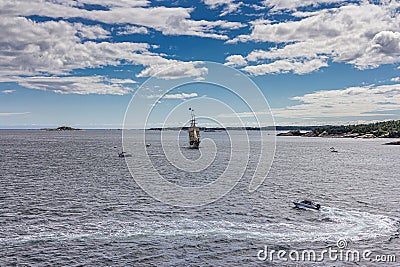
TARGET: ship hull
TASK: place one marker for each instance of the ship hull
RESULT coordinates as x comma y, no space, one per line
194,145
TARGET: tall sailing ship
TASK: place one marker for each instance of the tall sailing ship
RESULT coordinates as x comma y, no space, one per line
194,132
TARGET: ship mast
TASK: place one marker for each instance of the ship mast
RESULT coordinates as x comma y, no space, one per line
193,120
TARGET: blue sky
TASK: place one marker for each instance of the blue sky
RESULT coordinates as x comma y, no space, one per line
79,62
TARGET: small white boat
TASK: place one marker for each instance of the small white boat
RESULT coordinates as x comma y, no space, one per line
124,155
306,204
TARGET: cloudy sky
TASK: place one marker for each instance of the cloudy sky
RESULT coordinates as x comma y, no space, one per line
78,62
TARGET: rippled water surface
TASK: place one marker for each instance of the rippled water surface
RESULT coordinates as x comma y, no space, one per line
67,199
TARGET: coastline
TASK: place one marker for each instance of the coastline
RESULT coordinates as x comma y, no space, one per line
384,129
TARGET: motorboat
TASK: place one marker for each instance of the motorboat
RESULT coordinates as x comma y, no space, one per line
124,155
333,150
306,204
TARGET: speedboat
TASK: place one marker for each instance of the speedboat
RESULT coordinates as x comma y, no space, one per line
306,204
124,155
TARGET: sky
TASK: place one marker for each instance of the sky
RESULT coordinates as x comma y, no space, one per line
81,62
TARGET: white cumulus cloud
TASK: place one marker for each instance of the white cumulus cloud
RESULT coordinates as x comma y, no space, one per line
29,47
9,91
131,29
229,6
277,5
168,20
180,96
56,48
75,84
365,35
174,70
236,60
284,66
7,114
174,96
350,102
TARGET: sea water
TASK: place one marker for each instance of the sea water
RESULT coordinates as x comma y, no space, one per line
67,199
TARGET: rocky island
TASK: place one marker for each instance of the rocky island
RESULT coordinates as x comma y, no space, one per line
291,133
63,128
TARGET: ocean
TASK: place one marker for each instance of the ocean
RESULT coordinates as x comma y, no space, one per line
67,199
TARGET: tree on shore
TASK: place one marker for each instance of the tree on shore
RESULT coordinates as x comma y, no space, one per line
379,129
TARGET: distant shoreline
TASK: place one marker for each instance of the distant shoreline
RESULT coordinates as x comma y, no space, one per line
349,135
206,129
267,128
385,129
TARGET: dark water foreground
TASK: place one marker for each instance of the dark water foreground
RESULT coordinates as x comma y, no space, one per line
66,199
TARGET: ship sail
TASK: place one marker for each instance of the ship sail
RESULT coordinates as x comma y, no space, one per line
194,132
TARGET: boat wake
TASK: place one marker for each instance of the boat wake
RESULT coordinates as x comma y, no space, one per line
330,224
